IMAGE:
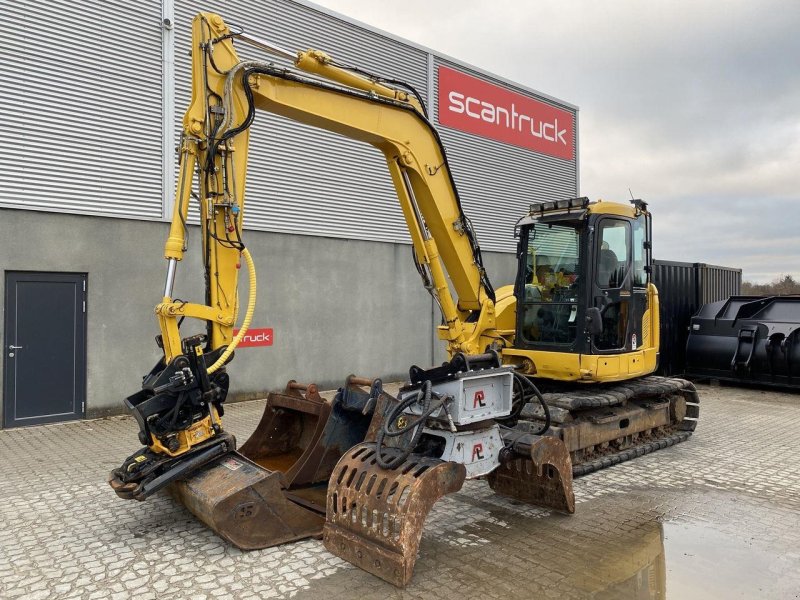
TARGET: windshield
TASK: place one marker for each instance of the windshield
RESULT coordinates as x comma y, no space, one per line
550,298
552,254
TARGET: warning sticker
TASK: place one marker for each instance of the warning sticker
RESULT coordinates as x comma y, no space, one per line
232,464
633,341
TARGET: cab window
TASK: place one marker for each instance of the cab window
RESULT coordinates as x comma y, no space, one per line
613,254
639,252
549,304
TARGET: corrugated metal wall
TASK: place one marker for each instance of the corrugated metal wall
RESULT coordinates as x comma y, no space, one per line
717,283
300,179
682,289
90,135
83,107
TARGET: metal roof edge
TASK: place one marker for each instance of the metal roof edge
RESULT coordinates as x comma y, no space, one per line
436,53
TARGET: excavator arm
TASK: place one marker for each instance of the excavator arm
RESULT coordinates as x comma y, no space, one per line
225,97
180,404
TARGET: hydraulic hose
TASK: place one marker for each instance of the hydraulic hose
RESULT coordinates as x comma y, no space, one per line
427,408
248,315
524,381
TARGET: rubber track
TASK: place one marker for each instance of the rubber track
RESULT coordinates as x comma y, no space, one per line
649,387
614,459
615,394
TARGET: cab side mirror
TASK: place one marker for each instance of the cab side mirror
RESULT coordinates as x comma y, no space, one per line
594,321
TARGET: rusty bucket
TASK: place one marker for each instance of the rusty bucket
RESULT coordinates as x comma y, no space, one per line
273,489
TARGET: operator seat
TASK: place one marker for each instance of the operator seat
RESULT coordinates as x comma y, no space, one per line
607,268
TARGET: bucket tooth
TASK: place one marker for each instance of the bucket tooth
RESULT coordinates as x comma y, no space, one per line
536,470
375,516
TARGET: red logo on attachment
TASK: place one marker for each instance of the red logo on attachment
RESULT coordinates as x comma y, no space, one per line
255,337
482,108
478,400
477,450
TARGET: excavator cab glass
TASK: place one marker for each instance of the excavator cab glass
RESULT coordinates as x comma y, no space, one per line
619,287
549,298
582,281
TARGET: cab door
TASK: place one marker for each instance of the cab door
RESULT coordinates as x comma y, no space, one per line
612,285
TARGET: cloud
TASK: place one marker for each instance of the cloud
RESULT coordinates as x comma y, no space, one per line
694,106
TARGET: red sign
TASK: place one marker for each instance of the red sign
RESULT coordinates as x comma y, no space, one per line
255,337
485,109
478,400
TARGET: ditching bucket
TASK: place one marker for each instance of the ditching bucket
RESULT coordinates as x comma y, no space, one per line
273,490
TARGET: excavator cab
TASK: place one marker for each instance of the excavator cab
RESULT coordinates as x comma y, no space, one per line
583,278
590,314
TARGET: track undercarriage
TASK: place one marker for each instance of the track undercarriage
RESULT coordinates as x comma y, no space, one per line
604,425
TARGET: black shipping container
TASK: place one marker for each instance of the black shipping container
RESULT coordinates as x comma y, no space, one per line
682,289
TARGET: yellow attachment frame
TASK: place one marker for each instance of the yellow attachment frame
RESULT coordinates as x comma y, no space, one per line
196,434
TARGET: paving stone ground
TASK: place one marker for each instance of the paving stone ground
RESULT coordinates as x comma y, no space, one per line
715,517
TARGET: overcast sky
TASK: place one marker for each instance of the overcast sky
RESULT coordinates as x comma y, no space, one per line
694,106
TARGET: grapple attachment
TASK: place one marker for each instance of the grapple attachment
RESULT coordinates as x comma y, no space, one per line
375,516
273,489
440,431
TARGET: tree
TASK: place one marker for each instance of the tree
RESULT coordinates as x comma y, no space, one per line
782,286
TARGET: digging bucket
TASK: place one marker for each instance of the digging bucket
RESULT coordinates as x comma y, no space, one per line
272,490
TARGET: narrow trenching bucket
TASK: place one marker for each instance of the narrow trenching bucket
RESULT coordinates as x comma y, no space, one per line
273,489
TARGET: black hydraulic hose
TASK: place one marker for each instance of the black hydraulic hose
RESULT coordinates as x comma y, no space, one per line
390,429
524,381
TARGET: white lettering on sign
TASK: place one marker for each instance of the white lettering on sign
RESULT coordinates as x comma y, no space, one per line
509,118
500,113
256,337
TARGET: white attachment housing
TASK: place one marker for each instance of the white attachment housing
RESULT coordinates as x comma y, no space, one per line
478,451
477,396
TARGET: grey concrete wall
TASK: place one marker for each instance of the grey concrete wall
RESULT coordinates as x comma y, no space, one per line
337,306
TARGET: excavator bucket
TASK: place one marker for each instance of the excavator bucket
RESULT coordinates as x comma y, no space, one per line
272,490
246,504
535,470
375,516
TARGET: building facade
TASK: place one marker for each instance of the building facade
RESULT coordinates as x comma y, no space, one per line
89,175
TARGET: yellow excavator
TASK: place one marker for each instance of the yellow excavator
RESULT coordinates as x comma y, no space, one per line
548,378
